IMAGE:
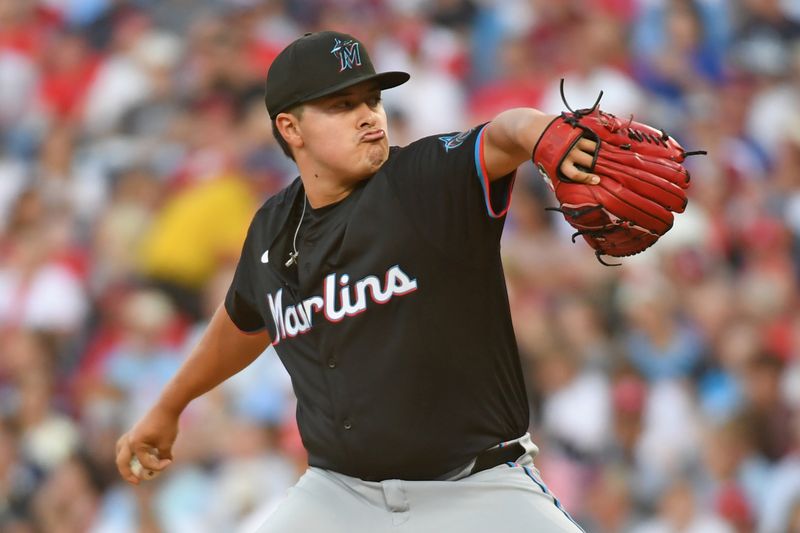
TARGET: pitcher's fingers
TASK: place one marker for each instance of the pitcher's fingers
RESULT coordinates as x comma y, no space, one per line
150,459
587,145
123,462
161,463
578,175
578,157
148,456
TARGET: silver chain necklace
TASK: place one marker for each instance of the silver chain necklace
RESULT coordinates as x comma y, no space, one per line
294,253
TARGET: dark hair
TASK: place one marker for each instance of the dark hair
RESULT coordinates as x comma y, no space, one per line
297,111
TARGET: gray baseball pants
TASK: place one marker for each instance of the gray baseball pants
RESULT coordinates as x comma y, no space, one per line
507,498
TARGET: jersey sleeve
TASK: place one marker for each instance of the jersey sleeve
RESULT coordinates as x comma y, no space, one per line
240,301
443,184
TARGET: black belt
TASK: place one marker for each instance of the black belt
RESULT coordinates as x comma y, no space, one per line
498,456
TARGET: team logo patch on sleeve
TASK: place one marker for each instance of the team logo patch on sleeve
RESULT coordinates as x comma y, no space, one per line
451,142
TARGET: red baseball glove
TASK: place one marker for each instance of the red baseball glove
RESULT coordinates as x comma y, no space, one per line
642,180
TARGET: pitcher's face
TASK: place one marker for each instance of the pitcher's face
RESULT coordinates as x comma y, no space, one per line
345,135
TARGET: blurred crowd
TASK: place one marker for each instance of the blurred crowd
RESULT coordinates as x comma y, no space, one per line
135,147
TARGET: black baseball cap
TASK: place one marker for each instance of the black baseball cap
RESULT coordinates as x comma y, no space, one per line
319,64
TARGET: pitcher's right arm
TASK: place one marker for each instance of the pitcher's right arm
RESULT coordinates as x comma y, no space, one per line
223,351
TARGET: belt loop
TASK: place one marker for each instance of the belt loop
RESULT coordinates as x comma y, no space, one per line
396,500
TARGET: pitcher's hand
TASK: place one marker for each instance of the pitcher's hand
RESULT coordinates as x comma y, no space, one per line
150,440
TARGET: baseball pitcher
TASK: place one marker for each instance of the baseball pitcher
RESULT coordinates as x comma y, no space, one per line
376,275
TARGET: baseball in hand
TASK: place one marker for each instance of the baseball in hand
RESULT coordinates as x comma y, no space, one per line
139,471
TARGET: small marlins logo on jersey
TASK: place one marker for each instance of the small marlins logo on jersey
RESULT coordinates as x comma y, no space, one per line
339,300
347,53
454,141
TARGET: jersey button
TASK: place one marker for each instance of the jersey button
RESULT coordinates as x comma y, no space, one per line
348,425
331,363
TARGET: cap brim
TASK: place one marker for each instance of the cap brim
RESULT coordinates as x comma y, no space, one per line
386,80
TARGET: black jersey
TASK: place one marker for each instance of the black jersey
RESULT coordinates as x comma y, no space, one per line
394,324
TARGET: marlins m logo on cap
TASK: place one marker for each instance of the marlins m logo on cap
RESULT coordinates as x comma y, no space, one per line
304,70
347,53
